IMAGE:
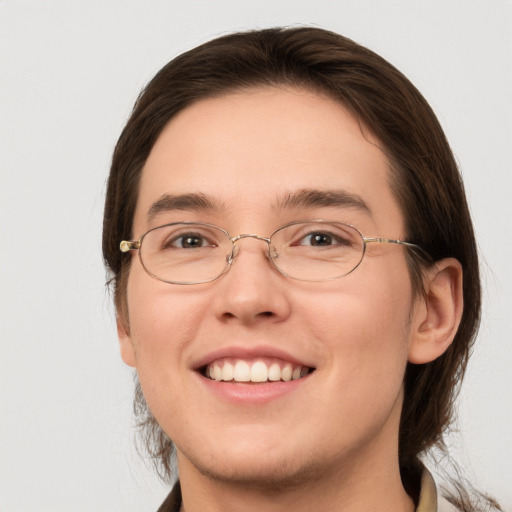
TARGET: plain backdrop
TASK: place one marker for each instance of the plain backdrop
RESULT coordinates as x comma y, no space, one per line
70,72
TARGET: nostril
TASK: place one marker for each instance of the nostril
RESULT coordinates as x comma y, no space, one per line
266,313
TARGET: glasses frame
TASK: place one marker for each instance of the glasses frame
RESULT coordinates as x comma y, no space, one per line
135,245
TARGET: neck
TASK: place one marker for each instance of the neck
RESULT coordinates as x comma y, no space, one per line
373,484
364,477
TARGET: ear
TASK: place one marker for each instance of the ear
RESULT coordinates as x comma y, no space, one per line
437,314
125,342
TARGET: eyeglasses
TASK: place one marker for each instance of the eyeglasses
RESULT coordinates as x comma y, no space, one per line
195,253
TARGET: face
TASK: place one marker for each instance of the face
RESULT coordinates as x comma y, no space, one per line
249,153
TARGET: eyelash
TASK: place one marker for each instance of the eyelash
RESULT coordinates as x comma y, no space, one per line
333,238
171,241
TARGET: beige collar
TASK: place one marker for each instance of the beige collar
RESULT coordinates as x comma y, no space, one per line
428,495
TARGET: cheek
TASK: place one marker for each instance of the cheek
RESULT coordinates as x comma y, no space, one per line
365,329
162,322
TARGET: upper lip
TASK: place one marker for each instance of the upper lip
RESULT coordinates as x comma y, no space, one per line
244,352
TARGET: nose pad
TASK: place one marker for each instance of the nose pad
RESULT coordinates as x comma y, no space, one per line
270,254
252,293
230,258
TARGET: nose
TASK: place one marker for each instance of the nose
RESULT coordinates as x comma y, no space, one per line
253,290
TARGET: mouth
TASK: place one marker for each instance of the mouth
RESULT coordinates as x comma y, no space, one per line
254,370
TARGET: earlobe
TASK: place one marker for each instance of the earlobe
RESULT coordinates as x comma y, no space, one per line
437,314
125,342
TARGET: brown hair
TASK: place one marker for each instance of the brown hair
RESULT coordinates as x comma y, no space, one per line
424,178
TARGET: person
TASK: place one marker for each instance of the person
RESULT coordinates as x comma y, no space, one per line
295,276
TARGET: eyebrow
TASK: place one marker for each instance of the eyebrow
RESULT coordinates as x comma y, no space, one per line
304,198
315,198
187,202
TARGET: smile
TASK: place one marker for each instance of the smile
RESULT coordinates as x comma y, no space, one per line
254,370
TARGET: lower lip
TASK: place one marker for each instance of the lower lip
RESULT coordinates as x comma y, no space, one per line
252,393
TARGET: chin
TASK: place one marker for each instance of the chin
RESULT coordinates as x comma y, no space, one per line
253,467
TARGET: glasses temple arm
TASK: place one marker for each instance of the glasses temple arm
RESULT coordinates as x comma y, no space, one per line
416,247
129,245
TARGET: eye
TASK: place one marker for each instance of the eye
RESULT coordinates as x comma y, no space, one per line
323,239
317,239
188,241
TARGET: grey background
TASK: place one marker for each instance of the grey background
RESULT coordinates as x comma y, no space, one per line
70,72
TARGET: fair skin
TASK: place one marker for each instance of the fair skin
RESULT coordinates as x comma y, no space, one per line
329,440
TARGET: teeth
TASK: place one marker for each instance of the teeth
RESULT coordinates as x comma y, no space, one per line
274,372
286,373
257,371
227,371
296,373
241,372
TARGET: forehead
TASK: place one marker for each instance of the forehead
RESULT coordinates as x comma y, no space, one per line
250,150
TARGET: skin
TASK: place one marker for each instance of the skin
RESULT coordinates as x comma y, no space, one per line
331,443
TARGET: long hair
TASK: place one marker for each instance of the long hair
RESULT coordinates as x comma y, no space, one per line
424,178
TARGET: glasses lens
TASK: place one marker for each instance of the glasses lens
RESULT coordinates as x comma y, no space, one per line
317,251
185,253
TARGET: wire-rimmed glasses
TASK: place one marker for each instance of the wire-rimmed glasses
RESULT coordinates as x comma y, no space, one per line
195,252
